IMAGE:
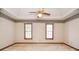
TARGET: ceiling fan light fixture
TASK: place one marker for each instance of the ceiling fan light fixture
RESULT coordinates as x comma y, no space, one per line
41,12
39,15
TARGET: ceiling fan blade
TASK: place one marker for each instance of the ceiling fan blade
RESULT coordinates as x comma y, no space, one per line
32,12
47,14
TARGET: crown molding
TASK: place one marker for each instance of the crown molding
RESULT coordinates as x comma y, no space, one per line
6,16
72,18
41,21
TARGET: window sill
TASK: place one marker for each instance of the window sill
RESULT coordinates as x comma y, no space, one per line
28,38
49,38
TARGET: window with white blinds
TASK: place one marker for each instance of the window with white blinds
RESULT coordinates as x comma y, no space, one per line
28,31
49,31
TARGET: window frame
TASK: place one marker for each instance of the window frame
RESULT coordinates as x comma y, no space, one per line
25,31
46,31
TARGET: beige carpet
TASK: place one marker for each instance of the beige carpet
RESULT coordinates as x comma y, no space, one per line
39,47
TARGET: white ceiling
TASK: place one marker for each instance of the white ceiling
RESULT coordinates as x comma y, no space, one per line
23,13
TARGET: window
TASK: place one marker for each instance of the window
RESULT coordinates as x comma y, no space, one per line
28,31
49,31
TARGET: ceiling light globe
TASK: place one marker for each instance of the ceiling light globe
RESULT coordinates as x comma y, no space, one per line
39,15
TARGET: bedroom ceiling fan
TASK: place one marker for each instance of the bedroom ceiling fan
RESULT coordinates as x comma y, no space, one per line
40,12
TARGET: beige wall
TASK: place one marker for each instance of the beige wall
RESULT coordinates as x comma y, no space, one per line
7,32
72,33
39,33
11,32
